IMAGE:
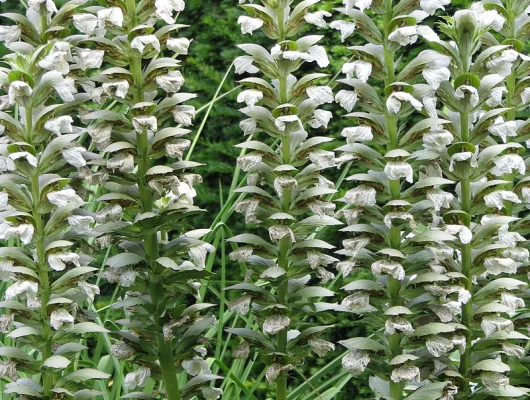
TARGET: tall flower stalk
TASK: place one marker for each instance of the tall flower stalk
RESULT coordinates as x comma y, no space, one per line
393,213
284,189
150,194
41,201
489,256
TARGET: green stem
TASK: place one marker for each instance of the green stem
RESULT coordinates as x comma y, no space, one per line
467,313
44,279
156,288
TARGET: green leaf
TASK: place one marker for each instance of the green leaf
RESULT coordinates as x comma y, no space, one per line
491,365
56,362
71,275
360,343
85,374
124,259
431,391
14,352
86,327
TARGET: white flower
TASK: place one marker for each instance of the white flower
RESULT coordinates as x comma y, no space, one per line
250,97
429,103
100,134
463,232
396,170
149,123
320,118
404,35
50,5
137,378
274,371
496,199
170,82
357,134
22,288
116,88
494,380
89,289
317,18
8,369
211,393
508,164
195,366
346,99
322,158
88,59
19,91
250,162
198,254
179,45
62,124
498,265
518,254
112,15
436,72
58,261
321,347
164,9
388,267
360,4
249,24
23,231
493,323
281,122
487,18
30,158
124,162
405,373
184,114
346,29
513,350
393,103
398,324
141,42
122,351
362,69
10,34
320,94
57,60
318,54
439,198
495,98
275,324
503,63
278,232
248,208
85,23
244,64
463,156
361,196
437,139
467,91
525,95
400,216
356,361
512,301
503,129
60,317
430,6
241,305
438,345
64,198
74,156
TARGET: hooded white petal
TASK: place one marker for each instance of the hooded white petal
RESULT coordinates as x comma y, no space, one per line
393,103
388,267
250,97
320,94
63,198
346,29
317,18
137,378
430,6
112,15
178,45
464,91
244,64
59,125
361,196
356,361
275,324
362,69
396,170
249,24
60,317
346,99
141,42
496,199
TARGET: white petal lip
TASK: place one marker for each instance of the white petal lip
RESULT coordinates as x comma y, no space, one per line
393,103
179,45
320,94
249,24
250,97
346,29
347,99
362,69
317,18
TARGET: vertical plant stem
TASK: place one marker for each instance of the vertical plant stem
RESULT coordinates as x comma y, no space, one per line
44,281
156,289
394,285
465,185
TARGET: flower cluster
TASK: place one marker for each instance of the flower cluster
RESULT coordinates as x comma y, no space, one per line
286,192
459,289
